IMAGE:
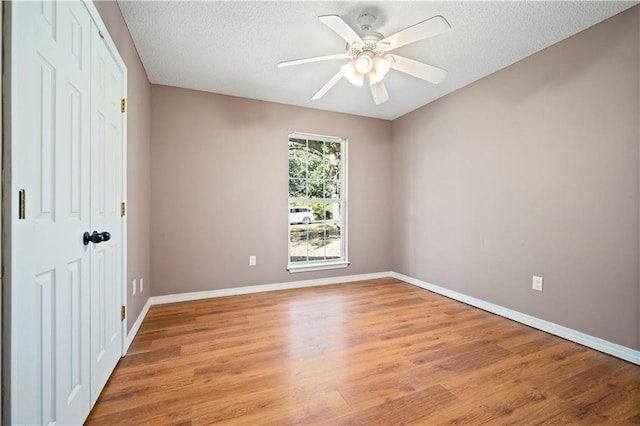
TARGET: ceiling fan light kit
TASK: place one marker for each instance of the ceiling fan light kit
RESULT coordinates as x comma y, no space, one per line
350,72
381,66
368,54
364,62
374,67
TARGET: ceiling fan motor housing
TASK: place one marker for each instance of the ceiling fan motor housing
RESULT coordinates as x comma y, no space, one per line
370,39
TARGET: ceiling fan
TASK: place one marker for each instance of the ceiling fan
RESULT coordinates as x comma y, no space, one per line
369,54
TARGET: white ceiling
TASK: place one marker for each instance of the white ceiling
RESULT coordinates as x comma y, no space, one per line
232,47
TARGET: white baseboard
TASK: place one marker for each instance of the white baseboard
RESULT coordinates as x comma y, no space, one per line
596,343
136,325
236,291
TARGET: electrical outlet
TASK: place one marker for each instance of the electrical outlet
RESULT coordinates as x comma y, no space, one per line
141,284
252,261
536,283
134,287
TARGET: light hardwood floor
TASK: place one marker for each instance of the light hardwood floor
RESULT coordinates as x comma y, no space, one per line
371,352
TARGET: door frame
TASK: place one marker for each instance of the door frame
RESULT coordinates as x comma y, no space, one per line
9,197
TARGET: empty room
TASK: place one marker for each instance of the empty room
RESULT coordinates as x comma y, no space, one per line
320,212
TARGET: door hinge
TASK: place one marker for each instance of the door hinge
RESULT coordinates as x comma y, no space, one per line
122,209
123,313
123,105
22,204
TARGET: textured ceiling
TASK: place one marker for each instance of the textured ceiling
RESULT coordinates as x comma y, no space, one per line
232,47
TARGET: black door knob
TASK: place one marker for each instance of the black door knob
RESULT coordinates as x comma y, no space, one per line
96,237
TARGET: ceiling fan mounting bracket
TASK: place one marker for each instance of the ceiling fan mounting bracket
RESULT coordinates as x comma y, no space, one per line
366,20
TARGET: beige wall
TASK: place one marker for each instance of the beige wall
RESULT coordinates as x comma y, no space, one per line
532,170
138,159
219,193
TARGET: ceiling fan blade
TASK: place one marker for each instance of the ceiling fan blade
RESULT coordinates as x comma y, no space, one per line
379,92
341,28
328,85
314,59
421,70
425,29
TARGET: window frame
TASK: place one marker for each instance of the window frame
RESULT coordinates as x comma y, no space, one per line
343,261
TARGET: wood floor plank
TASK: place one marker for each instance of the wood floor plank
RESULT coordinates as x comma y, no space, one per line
369,352
514,403
272,407
413,407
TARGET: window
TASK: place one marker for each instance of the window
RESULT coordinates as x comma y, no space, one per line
317,202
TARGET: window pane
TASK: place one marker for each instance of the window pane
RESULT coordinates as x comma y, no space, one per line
315,147
333,212
332,157
315,167
331,189
297,187
315,188
297,167
323,211
298,158
299,243
333,244
300,213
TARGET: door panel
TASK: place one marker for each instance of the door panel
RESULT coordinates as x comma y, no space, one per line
106,186
50,280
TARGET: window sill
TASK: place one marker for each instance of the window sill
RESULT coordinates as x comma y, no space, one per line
309,267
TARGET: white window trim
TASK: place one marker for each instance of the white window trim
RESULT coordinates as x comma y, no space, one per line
329,264
310,267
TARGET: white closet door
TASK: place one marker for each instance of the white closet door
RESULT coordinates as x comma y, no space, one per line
106,195
67,160
50,283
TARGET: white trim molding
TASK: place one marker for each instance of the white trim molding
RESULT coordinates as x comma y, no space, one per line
317,266
592,342
136,325
236,291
